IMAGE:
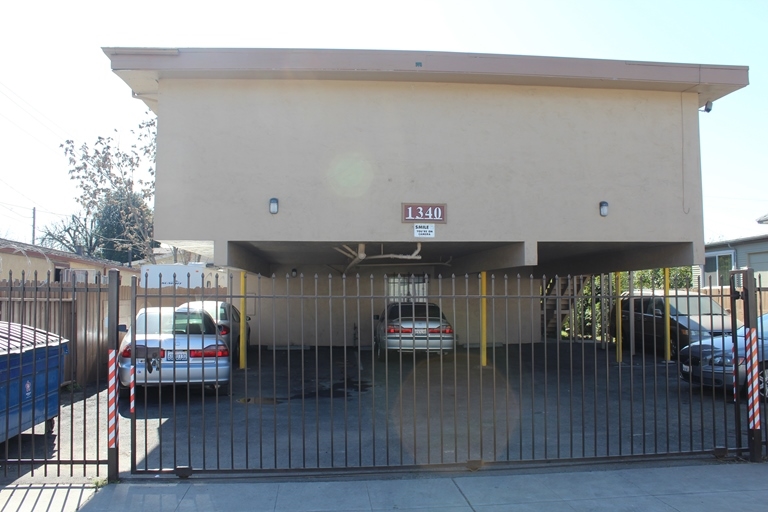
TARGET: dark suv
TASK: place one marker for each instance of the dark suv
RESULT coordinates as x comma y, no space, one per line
692,317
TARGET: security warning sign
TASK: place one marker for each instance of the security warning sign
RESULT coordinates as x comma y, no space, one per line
424,230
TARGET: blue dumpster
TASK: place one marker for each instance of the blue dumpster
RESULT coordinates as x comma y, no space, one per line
31,363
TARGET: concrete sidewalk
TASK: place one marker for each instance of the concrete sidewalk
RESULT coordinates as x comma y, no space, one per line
699,486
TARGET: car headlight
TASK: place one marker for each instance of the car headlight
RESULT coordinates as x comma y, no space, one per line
722,360
727,360
694,334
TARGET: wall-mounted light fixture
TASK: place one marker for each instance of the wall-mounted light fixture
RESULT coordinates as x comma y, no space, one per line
603,208
293,272
273,205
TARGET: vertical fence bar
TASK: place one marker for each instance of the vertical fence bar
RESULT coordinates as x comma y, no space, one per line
344,323
112,427
288,348
303,377
358,360
330,369
752,365
113,319
316,301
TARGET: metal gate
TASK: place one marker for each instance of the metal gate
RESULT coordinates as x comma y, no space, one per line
317,394
53,400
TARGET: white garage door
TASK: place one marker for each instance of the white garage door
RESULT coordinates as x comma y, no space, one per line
759,262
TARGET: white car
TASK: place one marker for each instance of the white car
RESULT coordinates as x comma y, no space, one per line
175,346
227,318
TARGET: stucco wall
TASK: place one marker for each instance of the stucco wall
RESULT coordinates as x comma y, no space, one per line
512,163
321,308
15,264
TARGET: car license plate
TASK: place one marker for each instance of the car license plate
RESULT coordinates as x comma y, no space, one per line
686,368
175,355
420,331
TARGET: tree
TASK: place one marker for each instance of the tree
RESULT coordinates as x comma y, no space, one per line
117,230
182,256
588,308
116,201
76,234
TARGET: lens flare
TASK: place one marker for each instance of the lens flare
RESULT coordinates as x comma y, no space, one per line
350,175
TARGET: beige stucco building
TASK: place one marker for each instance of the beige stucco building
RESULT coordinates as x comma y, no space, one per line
271,160
520,151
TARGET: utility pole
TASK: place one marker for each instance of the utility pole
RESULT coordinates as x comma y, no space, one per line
34,211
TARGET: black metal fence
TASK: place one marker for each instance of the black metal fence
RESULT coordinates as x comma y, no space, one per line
524,369
316,394
53,368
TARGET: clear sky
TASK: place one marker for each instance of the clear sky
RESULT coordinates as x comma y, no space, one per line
56,83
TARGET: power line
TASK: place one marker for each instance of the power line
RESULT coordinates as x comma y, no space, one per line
39,209
62,130
25,131
18,191
20,216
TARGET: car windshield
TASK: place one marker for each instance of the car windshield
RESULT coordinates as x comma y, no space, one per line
218,310
694,305
215,309
181,322
762,326
414,311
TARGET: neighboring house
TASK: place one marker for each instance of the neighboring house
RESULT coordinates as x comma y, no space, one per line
17,259
727,255
166,254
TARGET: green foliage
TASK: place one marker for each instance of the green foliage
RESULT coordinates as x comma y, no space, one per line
679,278
98,483
591,306
117,230
594,304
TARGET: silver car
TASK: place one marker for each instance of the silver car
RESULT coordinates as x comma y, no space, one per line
412,326
227,317
709,362
175,346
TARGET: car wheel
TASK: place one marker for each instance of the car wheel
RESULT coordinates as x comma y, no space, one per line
762,380
224,389
673,350
236,354
381,353
625,341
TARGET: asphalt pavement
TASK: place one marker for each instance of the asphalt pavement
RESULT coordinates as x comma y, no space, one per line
701,485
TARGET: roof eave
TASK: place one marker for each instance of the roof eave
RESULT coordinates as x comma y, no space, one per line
143,68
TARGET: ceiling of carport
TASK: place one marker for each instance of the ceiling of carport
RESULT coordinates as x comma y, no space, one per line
552,256
323,253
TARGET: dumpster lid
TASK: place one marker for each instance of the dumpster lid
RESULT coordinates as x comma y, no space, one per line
17,338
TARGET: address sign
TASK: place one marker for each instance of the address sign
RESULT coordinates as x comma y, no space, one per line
422,212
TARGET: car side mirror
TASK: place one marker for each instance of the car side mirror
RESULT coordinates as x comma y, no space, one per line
122,328
375,317
658,312
247,319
